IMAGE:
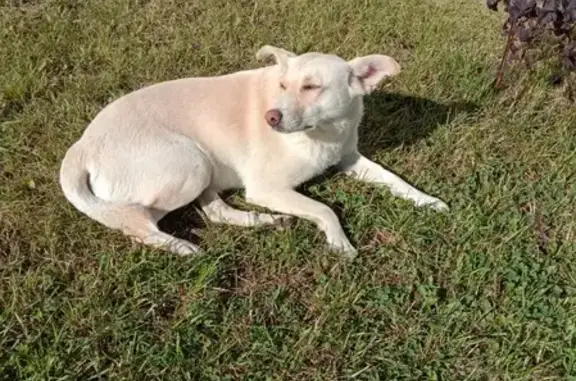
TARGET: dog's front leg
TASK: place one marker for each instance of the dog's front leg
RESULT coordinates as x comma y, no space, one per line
293,203
361,168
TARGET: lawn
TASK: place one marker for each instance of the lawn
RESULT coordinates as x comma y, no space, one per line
486,291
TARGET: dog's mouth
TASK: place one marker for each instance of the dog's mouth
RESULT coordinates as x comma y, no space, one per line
283,130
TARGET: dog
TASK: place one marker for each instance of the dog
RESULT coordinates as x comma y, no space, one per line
265,130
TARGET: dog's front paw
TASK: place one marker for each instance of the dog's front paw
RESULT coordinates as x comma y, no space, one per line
433,203
343,247
439,206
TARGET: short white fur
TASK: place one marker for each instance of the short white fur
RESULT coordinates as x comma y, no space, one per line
169,144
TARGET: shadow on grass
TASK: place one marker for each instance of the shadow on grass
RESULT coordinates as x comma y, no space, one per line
181,223
390,120
393,120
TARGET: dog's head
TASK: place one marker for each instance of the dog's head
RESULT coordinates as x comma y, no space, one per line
317,89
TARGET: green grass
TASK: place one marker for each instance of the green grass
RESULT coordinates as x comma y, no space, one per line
486,291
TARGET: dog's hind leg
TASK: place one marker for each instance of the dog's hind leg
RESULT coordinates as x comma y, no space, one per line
158,239
138,223
167,173
217,211
132,216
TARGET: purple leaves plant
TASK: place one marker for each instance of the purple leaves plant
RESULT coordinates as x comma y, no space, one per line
538,25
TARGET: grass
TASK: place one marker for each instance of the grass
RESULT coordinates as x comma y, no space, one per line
484,292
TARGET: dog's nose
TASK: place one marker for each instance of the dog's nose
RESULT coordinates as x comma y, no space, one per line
273,117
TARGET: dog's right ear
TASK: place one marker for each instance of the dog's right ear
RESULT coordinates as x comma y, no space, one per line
280,55
369,71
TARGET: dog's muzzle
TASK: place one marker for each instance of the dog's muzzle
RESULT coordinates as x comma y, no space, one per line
274,119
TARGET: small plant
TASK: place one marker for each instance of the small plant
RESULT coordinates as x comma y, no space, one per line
543,26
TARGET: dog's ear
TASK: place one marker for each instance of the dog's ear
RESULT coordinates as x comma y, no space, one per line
369,71
280,55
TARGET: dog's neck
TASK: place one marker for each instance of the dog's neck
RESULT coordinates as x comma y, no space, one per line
344,126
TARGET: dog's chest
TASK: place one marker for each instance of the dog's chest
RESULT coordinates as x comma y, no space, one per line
309,158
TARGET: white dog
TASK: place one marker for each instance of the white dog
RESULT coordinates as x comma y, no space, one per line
265,130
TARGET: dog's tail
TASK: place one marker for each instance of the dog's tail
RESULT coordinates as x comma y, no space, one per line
132,219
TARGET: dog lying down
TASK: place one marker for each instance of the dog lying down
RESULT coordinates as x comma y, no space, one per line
265,130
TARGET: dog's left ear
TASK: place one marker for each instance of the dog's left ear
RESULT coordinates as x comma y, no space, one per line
369,71
280,55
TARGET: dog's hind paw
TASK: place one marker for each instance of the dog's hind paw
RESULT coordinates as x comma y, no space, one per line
283,221
182,247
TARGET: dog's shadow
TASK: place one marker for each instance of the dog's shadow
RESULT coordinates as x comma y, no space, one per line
390,120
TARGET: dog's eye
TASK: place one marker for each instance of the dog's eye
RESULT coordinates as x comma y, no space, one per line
282,86
310,87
